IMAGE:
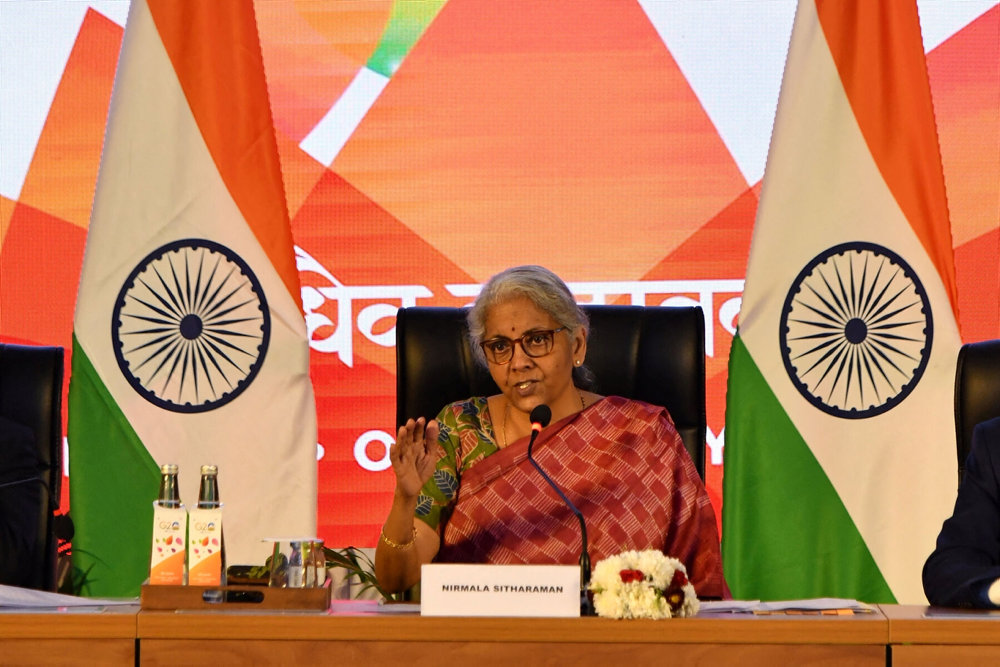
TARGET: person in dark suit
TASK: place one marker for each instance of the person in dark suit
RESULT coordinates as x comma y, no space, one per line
20,497
964,569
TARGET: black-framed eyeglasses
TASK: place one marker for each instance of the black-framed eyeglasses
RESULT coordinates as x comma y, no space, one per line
536,343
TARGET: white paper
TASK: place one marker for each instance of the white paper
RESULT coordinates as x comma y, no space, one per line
815,604
754,606
398,607
13,596
728,606
373,607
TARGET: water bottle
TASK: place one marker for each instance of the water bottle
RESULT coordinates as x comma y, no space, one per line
208,546
168,555
169,494
208,495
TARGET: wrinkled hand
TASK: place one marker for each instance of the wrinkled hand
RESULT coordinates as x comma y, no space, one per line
414,455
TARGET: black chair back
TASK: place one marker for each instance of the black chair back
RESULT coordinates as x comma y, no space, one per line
31,380
977,392
654,354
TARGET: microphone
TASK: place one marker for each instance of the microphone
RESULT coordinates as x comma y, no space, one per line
540,417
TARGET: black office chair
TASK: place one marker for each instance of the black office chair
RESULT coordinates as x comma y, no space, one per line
31,380
977,392
654,354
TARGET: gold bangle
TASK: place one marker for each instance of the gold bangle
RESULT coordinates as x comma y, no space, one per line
397,545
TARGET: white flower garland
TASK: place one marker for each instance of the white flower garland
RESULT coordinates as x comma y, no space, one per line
642,584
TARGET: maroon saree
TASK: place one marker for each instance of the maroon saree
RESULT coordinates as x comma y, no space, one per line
622,464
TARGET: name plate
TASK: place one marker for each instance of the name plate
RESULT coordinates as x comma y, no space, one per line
448,589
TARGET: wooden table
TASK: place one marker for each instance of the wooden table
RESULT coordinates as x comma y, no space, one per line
92,636
124,636
920,635
371,639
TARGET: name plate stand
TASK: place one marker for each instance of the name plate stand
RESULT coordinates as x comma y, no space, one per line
500,590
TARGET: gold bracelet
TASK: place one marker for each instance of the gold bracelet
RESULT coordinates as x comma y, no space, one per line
397,545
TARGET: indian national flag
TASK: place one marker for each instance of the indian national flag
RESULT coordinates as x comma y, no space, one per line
189,341
840,438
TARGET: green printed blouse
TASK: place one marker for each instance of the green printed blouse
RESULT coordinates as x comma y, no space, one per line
467,437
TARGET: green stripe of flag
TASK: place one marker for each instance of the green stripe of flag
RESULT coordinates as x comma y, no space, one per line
780,512
112,489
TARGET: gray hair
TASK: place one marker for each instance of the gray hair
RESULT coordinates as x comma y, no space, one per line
546,290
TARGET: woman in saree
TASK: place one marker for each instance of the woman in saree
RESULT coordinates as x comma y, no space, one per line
467,492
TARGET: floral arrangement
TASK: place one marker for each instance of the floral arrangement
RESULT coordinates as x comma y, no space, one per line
642,584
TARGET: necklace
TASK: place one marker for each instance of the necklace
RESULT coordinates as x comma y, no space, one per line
506,409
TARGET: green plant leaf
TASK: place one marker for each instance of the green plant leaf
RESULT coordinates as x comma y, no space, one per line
358,565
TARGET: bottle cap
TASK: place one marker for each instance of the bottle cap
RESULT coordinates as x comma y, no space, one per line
209,470
168,469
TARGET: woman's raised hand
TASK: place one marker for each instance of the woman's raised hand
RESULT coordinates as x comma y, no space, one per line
414,455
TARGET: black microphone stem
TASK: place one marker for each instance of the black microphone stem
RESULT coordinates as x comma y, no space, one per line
586,605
